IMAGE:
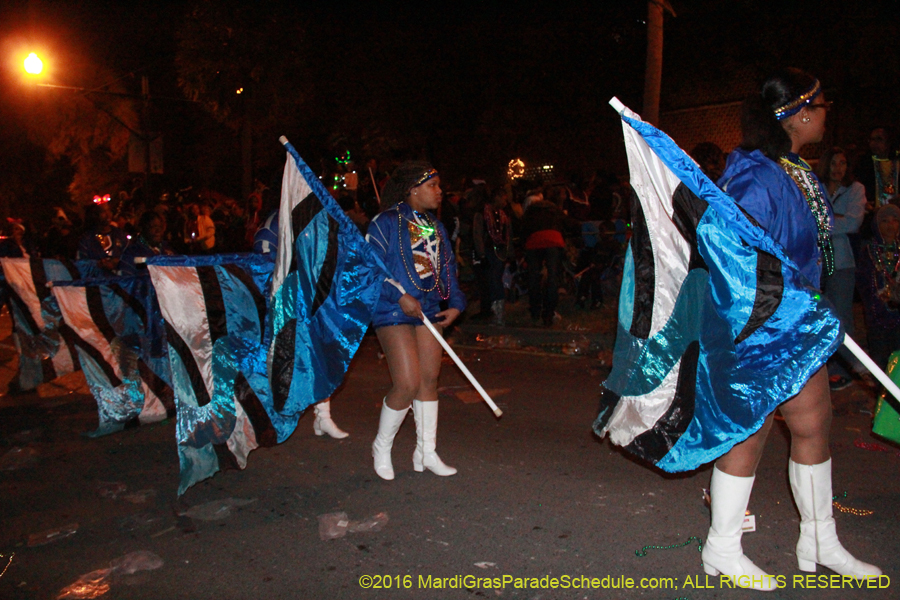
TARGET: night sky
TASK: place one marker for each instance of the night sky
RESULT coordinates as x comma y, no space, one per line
467,86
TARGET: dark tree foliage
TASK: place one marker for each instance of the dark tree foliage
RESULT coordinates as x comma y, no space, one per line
227,46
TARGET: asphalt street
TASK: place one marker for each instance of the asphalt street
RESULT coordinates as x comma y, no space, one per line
538,500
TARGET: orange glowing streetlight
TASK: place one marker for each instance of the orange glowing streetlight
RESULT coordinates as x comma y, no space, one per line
33,64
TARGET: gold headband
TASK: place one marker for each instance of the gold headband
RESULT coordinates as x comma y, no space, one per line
794,106
429,174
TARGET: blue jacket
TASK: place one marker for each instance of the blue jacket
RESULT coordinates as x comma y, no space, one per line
93,246
393,243
762,188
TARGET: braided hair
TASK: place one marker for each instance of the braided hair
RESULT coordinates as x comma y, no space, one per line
761,129
403,179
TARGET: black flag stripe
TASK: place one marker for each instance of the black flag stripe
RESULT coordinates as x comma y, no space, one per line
644,272
687,211
656,442
95,354
329,267
769,292
283,364
133,303
39,278
301,216
262,425
98,315
215,303
190,364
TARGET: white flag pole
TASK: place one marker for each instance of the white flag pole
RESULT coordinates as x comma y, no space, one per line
375,186
874,369
497,412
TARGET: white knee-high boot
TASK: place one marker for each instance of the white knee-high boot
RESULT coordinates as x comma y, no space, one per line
722,552
425,457
818,543
388,426
323,423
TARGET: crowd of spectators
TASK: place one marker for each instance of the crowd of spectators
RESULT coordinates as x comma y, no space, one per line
114,231
533,238
537,238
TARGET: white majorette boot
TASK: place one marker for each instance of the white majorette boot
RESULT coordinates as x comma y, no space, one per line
819,542
388,425
424,456
323,423
722,552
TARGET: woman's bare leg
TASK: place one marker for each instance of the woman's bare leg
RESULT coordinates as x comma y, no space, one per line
401,349
430,355
808,416
742,459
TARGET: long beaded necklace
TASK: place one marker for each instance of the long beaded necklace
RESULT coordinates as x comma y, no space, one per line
425,229
886,259
812,192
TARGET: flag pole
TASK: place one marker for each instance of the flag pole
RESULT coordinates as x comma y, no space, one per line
497,412
375,186
874,369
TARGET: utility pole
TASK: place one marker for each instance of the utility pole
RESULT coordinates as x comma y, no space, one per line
653,70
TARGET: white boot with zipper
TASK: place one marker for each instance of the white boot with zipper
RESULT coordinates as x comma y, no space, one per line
388,425
722,552
819,543
425,457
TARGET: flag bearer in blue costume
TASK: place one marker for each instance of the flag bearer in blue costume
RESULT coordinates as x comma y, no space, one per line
417,251
778,189
265,241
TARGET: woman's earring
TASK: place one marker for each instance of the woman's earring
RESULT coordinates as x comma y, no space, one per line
805,119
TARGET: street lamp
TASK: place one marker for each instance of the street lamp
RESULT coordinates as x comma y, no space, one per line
33,64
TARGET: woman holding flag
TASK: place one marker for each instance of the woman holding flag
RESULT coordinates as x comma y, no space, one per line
417,251
769,180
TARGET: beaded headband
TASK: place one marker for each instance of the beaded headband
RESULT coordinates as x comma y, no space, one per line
794,106
429,174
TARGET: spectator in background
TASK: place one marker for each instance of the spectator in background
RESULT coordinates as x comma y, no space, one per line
492,244
17,245
206,230
102,241
253,217
576,203
542,230
149,241
448,213
60,240
878,282
878,171
848,201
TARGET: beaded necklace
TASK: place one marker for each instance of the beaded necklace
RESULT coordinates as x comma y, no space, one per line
424,229
885,179
812,192
886,259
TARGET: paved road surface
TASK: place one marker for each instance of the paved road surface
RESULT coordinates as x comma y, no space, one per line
536,496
